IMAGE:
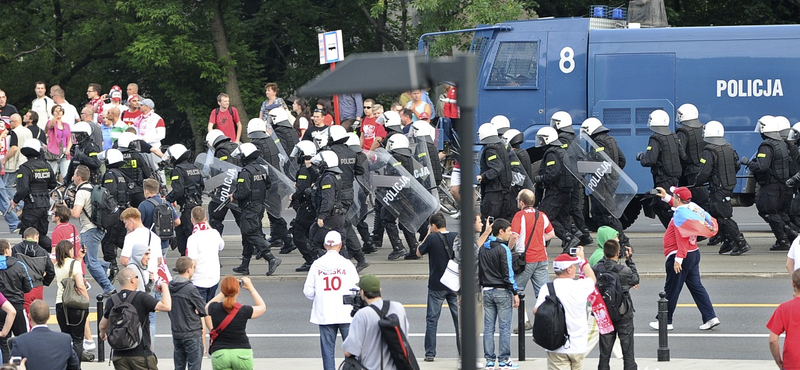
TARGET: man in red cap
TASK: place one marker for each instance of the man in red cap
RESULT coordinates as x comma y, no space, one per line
683,262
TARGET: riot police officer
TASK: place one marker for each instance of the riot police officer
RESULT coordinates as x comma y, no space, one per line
397,146
327,199
557,185
35,179
84,152
663,155
187,190
117,185
223,149
391,122
302,201
690,138
789,218
495,173
562,122
362,228
794,208
268,146
135,168
606,144
770,167
513,139
251,193
501,123
284,131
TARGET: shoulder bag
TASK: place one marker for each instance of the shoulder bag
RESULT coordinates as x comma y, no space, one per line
518,259
214,333
450,278
71,298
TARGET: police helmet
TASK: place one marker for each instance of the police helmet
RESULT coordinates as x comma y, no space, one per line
592,126
659,122
113,158
249,152
422,129
176,153
396,142
327,160
337,134
322,138
714,133
354,142
81,131
687,112
391,121
487,134
513,137
280,117
768,127
214,137
561,121
31,148
794,134
501,123
783,126
125,139
305,148
257,128
547,136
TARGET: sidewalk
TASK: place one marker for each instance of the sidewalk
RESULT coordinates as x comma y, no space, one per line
451,363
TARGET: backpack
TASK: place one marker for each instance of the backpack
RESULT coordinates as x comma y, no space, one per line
163,220
611,290
105,213
395,339
550,322
124,328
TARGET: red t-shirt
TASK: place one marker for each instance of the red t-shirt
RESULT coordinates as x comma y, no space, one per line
225,122
68,231
129,117
451,109
327,119
521,224
369,130
786,319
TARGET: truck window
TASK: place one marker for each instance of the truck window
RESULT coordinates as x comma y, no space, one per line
515,66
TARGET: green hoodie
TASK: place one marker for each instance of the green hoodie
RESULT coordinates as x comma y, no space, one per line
604,233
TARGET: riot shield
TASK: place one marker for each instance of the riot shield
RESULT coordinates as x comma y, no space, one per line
520,177
399,192
288,166
364,202
423,168
218,175
601,177
278,193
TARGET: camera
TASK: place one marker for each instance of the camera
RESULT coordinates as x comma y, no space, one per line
490,219
355,300
15,360
573,251
652,192
241,283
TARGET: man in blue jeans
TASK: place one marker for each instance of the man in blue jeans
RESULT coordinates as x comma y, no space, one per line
438,244
91,235
5,202
499,294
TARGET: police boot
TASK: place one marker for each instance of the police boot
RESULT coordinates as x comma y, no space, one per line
369,246
727,246
741,246
780,245
273,262
412,253
397,248
362,262
304,267
790,233
716,239
585,237
288,245
377,240
569,241
244,268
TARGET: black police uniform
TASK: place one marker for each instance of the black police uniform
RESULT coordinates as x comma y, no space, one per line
84,153
608,145
303,205
663,156
403,156
495,172
377,222
329,207
770,168
117,185
558,185
718,167
690,138
576,197
136,169
35,179
791,208
350,167
279,233
187,190
361,227
251,193
288,139
222,151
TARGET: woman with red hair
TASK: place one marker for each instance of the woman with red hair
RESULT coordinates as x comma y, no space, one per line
230,348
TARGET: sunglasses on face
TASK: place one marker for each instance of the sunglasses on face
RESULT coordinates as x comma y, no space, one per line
367,107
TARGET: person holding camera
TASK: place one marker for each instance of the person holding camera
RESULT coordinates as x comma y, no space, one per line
230,348
329,280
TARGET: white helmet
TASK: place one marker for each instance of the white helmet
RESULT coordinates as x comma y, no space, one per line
422,129
396,142
794,134
714,133
280,117
513,137
249,151
561,121
768,126
31,148
257,128
487,134
592,126
81,131
687,112
659,122
177,153
304,148
321,138
113,157
500,123
329,158
337,134
215,137
125,139
390,120
547,136
783,126
354,142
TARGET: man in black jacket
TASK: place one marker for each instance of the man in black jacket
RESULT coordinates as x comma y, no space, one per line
84,152
628,278
14,283
495,173
664,157
35,179
187,189
37,260
187,309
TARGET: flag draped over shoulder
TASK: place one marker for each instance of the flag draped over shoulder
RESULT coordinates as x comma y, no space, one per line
692,220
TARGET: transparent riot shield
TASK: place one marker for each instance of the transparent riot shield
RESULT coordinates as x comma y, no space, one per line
423,168
601,177
398,191
288,166
218,175
520,177
279,191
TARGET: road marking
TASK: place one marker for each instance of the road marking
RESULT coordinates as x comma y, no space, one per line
671,335
54,321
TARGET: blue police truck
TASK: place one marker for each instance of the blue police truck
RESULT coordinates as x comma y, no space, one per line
591,67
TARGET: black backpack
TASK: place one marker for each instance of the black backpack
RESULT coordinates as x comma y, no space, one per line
105,212
550,322
124,328
610,289
395,339
163,221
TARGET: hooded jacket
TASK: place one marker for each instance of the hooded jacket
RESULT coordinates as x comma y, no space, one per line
40,266
187,309
14,281
494,265
604,234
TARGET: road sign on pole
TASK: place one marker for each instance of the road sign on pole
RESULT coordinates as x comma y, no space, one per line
331,49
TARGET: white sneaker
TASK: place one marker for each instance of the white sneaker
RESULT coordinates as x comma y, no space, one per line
88,345
654,325
708,325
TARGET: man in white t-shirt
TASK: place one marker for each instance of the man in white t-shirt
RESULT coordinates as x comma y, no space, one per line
573,295
204,246
793,257
71,115
42,105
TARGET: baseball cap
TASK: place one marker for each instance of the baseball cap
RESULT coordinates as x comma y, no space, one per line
149,103
424,115
116,94
131,96
333,238
564,261
369,283
682,192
